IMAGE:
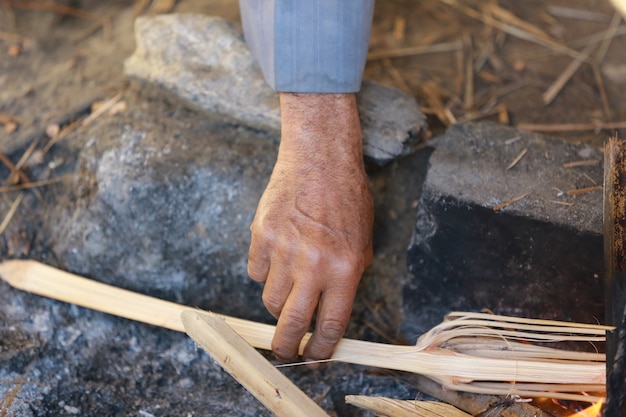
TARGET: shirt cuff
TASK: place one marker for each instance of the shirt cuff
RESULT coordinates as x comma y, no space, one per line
309,46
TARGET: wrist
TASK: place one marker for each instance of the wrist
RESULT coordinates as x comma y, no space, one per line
328,119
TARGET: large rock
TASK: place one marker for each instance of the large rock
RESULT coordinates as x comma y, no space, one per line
538,257
161,202
204,62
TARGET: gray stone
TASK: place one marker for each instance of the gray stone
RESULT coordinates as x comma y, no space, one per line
161,202
204,62
538,257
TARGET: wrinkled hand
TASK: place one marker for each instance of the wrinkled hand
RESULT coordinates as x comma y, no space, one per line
312,233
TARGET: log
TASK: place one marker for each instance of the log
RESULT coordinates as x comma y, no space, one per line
247,366
615,275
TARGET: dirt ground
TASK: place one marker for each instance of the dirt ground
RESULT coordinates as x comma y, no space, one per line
55,64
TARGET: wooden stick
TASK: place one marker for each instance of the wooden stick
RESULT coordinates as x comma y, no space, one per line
614,231
248,366
426,358
404,408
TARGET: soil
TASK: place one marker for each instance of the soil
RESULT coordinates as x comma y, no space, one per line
54,66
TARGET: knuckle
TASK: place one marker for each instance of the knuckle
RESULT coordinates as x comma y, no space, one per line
348,264
272,302
258,265
296,323
331,330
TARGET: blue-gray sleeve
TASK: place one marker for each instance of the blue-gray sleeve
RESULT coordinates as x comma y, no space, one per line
309,46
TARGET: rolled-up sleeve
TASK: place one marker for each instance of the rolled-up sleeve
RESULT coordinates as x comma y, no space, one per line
309,46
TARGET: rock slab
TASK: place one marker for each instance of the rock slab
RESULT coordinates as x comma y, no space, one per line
204,62
540,256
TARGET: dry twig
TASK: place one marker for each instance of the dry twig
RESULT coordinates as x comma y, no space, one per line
397,78
610,34
579,191
53,7
34,184
562,79
511,201
579,14
433,100
517,159
84,122
468,92
583,163
17,175
96,26
516,28
414,50
11,212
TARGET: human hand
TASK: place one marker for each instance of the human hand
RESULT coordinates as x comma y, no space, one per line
312,232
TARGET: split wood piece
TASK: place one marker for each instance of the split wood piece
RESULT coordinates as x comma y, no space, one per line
477,405
615,273
247,366
558,371
404,408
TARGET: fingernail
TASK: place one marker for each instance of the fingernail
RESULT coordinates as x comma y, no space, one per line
283,359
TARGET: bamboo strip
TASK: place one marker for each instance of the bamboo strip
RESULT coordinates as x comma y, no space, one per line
511,389
248,366
430,360
404,408
459,315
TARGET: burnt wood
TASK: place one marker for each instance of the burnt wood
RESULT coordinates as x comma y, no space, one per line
615,277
